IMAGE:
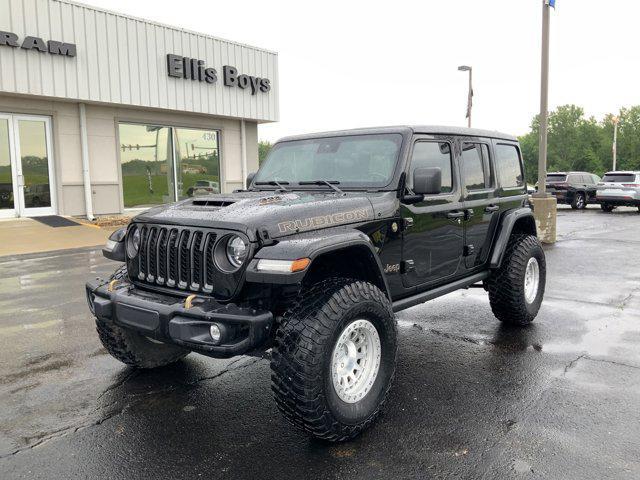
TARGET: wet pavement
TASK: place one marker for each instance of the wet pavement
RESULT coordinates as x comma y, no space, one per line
471,399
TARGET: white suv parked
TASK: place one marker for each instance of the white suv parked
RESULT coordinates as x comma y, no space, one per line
619,189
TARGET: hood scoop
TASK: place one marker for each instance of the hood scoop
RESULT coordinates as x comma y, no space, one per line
212,202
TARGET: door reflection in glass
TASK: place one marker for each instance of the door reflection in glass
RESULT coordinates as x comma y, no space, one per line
35,163
6,180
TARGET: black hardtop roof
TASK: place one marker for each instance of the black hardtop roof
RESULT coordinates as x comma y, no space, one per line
406,129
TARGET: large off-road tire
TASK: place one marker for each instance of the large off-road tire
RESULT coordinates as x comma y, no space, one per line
338,327
132,348
607,207
579,201
516,288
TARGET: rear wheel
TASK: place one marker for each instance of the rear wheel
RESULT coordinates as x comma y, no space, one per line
334,359
607,208
134,349
516,288
579,201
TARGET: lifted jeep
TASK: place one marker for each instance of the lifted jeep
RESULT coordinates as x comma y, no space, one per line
334,234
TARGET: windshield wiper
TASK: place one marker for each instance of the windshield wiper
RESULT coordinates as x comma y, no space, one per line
275,183
330,183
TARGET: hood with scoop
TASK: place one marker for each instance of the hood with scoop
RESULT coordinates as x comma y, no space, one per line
272,214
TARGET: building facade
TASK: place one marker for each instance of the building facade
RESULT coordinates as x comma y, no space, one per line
101,112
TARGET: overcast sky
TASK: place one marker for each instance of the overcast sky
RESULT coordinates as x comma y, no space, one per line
353,63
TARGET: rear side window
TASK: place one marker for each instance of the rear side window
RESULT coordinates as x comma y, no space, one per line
475,166
575,179
509,166
619,178
433,154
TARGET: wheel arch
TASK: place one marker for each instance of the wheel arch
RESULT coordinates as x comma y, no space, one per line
519,221
357,261
333,252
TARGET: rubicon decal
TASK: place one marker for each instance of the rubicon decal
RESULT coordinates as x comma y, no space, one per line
194,69
323,221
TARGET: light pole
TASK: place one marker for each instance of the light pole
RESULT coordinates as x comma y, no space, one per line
544,101
466,68
615,120
544,206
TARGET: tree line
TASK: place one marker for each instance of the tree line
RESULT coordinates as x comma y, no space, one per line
580,143
575,142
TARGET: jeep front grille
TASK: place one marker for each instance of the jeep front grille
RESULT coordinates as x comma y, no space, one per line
179,257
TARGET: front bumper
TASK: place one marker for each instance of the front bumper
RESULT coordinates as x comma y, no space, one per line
165,318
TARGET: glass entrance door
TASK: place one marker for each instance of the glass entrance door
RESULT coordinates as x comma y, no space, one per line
8,183
34,165
26,166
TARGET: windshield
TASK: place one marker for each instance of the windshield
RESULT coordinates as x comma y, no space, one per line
202,183
353,161
555,177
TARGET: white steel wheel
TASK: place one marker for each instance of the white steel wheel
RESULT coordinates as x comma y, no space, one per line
531,280
355,361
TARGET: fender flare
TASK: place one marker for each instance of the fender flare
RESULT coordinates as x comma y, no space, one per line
507,224
313,247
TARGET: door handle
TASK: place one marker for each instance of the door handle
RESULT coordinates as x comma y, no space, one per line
492,208
455,214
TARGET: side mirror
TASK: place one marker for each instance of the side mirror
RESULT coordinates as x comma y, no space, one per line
427,181
250,179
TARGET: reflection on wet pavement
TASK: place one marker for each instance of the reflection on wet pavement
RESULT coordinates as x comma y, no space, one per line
472,398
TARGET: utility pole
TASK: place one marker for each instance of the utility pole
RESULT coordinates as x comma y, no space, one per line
466,68
616,120
544,102
544,205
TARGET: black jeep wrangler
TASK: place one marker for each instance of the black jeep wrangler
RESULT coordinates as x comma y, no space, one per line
334,234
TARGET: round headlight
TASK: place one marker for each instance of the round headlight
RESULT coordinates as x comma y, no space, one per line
133,242
237,250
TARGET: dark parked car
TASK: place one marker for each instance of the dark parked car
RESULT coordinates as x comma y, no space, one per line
334,234
577,189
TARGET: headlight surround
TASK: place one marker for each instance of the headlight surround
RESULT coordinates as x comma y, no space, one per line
237,250
133,242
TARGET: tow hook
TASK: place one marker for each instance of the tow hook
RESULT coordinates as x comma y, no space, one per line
189,301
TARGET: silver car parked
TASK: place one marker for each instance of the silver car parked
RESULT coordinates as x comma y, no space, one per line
619,189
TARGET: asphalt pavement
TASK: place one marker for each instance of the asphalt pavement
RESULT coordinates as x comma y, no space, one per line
471,399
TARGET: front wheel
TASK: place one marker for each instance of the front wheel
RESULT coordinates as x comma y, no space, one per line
516,288
334,359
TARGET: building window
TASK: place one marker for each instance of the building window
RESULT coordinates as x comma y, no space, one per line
198,167
162,164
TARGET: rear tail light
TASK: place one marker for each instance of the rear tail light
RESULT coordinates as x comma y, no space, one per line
632,185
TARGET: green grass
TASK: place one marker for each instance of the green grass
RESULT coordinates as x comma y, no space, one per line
136,188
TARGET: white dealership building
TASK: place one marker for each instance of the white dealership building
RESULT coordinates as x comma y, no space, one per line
101,112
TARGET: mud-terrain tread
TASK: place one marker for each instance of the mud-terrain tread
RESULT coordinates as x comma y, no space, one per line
119,342
505,284
297,370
